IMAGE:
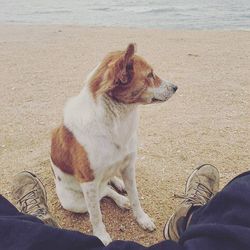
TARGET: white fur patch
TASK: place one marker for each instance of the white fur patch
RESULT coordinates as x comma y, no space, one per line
163,92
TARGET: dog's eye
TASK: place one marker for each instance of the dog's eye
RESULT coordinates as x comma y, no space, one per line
151,75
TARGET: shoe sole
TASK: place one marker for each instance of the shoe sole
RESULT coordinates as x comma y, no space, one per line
166,234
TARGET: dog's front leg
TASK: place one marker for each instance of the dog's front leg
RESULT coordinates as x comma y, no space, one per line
92,198
128,175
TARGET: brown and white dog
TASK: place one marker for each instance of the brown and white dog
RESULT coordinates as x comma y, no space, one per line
98,139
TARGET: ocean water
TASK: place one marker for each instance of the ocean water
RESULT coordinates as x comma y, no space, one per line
168,14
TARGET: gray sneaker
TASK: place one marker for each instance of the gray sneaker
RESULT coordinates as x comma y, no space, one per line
30,197
201,186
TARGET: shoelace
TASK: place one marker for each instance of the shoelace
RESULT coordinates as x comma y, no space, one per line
200,197
30,204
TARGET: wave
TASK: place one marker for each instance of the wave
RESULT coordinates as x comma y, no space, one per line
100,9
50,12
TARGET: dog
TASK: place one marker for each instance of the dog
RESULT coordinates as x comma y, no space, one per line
98,142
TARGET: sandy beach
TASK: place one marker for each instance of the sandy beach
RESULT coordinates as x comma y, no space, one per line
206,121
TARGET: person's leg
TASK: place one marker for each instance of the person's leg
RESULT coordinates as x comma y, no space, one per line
32,227
30,198
218,225
20,231
201,186
29,231
223,223
6,208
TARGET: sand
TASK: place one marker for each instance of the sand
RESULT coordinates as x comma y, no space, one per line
207,120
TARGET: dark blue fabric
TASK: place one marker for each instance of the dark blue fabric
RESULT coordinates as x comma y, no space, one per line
223,224
24,232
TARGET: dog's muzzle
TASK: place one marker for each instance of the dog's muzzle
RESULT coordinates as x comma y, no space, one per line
164,91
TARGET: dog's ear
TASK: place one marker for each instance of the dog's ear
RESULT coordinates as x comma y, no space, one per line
129,53
125,71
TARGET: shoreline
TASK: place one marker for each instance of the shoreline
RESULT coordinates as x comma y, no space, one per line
122,27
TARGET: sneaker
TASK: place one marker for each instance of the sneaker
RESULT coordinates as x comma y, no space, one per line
201,186
30,197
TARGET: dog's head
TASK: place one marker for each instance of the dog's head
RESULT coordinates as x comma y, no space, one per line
128,78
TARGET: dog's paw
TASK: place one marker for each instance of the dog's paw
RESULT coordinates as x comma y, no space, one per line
146,222
118,184
104,237
123,203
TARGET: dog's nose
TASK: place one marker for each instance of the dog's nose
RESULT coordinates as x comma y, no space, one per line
175,88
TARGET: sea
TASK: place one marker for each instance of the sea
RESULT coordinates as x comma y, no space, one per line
162,14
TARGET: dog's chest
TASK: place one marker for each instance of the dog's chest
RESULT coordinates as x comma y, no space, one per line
120,134
109,148
111,170
112,158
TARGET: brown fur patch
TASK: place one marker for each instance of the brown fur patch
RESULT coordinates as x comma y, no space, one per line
124,77
133,91
68,155
102,80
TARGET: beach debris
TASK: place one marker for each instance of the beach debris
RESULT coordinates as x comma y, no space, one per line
194,55
122,228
